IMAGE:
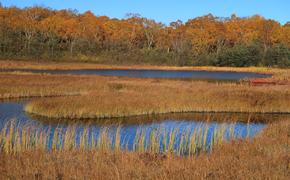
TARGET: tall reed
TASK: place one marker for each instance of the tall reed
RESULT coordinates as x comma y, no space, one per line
176,141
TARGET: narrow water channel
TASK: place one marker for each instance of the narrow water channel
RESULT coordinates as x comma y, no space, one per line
130,128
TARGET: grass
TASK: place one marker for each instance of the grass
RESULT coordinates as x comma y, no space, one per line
21,85
24,154
278,73
151,97
14,139
106,97
264,157
103,97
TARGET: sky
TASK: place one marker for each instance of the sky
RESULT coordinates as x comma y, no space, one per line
166,11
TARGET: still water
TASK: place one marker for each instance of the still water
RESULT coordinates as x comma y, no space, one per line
129,127
168,74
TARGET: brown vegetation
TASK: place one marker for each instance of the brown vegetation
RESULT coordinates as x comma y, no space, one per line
99,97
19,85
278,73
42,33
264,157
14,139
129,98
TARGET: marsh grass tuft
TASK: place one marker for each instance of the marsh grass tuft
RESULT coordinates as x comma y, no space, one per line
157,140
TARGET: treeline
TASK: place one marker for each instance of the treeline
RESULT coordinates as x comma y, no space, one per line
43,33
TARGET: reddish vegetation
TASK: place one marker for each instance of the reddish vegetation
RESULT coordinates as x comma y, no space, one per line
260,81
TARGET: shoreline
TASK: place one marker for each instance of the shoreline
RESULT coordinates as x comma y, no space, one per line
279,76
11,64
154,114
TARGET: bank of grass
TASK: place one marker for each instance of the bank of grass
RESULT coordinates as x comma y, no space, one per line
264,157
105,97
20,85
131,98
278,73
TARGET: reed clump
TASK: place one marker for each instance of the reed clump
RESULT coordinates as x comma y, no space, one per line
264,157
157,141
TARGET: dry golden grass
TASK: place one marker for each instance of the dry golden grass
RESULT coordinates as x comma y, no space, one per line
19,85
14,139
99,97
264,157
278,74
123,98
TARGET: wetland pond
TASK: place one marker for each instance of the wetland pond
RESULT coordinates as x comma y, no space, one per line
182,124
167,74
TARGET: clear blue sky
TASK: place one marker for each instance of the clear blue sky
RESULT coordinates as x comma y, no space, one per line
169,10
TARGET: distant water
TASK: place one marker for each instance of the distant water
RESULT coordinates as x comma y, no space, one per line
169,74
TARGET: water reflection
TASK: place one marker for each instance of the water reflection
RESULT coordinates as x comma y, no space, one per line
130,128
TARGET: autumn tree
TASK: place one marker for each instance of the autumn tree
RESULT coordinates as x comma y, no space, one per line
151,29
207,34
42,33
